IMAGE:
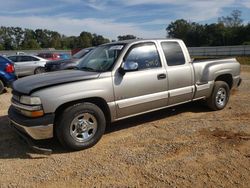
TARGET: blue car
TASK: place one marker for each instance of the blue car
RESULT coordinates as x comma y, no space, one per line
7,73
65,56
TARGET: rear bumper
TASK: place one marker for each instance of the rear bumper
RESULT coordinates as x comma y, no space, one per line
37,128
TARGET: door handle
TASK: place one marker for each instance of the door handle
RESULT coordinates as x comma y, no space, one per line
161,76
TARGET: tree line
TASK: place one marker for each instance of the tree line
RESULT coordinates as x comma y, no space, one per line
16,38
229,30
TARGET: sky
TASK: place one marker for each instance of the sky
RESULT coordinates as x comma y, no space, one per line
111,18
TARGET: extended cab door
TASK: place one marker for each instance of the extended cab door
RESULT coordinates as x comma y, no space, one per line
143,89
180,72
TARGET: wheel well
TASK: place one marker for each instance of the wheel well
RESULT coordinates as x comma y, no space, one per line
226,78
1,79
100,102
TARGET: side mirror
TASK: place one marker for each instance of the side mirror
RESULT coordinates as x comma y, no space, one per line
128,66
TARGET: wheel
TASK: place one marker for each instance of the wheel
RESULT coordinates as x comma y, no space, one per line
1,87
220,96
81,126
39,70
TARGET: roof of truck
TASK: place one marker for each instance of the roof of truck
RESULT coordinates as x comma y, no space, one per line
142,40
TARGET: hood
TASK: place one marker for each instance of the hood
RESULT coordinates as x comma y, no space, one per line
29,84
62,61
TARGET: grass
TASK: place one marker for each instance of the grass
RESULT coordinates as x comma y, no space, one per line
244,60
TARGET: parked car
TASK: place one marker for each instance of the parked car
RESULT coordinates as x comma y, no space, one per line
68,63
49,56
7,73
26,65
117,81
65,56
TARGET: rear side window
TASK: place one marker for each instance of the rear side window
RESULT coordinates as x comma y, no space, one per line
25,58
173,53
34,59
13,58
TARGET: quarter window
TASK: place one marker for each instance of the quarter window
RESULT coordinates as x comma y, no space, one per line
25,58
145,55
173,53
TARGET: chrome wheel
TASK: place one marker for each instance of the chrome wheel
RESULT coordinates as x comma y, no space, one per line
83,127
221,97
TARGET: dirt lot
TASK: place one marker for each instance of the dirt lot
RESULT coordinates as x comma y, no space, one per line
186,146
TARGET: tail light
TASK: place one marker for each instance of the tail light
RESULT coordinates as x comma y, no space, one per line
9,68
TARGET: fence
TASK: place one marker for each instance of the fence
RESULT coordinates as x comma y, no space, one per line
243,50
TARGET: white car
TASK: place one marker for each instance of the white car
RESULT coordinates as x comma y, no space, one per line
26,65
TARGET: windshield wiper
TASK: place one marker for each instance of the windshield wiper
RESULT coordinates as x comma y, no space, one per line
88,69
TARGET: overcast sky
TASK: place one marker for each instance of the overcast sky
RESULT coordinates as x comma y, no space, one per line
110,18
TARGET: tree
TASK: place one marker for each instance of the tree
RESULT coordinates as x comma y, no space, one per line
98,40
126,37
234,20
29,41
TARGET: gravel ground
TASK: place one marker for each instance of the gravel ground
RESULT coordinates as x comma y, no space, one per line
185,146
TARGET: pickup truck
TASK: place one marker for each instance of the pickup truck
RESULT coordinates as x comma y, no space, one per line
113,82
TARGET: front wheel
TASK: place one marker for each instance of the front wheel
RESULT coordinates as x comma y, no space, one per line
219,97
81,126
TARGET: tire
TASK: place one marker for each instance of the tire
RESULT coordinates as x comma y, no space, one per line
219,97
39,70
1,87
80,126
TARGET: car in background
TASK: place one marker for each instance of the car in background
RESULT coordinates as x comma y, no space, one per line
82,53
65,56
26,65
67,63
49,56
7,73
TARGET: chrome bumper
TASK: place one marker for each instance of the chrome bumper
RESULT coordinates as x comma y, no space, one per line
37,128
39,132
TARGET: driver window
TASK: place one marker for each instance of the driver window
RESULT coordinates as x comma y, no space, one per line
146,55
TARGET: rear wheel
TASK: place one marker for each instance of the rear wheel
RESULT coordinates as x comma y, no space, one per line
81,126
39,70
1,87
220,96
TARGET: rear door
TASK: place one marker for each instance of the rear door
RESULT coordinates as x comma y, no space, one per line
25,65
180,73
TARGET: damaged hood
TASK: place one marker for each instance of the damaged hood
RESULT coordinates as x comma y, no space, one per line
29,84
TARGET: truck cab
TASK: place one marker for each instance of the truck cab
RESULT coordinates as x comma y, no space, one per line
117,81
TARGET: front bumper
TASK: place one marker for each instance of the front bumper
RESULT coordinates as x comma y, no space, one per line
37,128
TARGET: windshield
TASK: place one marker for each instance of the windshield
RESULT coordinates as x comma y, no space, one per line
82,53
101,59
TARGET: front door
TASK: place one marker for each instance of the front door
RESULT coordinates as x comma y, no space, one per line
144,89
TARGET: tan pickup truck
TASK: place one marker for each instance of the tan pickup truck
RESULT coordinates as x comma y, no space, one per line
116,81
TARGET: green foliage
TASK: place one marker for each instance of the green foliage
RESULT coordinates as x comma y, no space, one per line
228,31
16,38
126,37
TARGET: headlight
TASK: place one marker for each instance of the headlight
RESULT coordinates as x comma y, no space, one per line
30,100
